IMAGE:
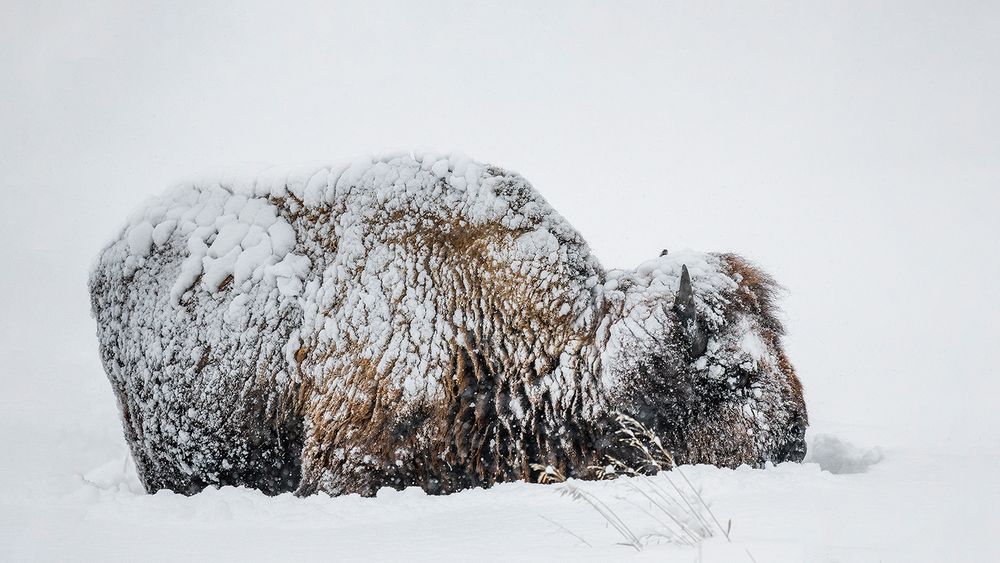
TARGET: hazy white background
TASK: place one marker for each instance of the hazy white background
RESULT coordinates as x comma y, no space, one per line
850,148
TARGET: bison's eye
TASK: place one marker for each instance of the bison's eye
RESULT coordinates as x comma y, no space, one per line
739,378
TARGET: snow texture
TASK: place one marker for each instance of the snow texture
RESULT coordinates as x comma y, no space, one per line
837,456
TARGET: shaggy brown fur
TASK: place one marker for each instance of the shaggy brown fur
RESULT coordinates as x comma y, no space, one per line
421,321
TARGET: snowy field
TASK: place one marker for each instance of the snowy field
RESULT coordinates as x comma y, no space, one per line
851,150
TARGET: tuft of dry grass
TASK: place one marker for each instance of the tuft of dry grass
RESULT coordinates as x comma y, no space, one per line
679,510
548,474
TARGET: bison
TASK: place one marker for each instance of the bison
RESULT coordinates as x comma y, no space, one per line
421,320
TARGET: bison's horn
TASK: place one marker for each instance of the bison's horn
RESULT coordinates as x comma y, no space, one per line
684,307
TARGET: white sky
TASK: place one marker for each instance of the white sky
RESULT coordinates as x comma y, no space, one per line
851,149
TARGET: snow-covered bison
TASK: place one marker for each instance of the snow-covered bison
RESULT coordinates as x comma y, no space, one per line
420,320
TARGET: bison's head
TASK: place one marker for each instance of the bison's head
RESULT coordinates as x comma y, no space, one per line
696,357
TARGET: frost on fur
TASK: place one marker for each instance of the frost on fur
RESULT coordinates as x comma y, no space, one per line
419,320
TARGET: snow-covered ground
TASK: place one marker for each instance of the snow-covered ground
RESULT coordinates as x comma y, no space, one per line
850,151
73,494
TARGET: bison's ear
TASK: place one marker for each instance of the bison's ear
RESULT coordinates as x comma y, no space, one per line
684,307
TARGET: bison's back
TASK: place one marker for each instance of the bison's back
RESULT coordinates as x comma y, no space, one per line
193,328
371,299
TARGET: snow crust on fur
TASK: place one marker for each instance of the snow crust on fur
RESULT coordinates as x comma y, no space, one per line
240,297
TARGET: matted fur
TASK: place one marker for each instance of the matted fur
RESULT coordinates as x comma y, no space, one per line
418,320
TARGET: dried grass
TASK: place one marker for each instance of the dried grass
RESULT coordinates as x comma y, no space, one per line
679,511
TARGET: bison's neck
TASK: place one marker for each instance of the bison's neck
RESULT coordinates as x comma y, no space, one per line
633,323
524,383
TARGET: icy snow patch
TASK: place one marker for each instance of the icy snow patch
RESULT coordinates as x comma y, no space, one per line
837,456
227,235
